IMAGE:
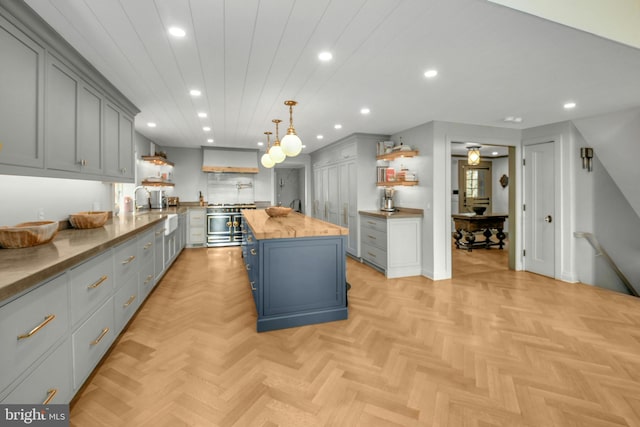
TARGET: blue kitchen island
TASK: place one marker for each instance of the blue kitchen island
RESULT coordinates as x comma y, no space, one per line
297,269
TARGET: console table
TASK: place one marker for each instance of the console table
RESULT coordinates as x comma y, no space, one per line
467,226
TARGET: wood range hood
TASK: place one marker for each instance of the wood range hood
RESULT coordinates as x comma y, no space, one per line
229,160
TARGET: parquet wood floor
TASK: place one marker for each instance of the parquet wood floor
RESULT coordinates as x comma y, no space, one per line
491,347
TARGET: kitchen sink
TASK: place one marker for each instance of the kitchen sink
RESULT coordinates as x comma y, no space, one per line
170,224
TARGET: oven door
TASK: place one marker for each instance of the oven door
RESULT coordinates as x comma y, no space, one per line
219,229
238,225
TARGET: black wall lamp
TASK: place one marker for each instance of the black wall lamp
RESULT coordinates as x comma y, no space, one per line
586,153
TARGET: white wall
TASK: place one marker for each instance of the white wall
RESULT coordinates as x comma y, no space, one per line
25,196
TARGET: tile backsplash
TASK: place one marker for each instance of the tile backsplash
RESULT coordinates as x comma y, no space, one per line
229,188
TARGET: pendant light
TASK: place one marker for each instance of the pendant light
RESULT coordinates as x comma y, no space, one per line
266,158
473,156
291,143
275,152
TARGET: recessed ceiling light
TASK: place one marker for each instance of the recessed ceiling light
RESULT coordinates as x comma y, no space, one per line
206,128
195,92
177,32
260,143
210,141
569,105
365,111
151,124
202,115
495,153
337,126
325,56
304,146
430,73
512,119
319,136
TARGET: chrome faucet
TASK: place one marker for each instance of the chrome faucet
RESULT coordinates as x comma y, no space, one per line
135,198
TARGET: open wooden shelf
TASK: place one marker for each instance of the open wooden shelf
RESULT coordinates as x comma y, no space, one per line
396,154
157,160
396,183
157,183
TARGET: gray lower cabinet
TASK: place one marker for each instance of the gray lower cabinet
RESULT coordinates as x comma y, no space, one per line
159,252
53,336
21,98
297,281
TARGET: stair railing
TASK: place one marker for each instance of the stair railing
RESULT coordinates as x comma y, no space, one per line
601,252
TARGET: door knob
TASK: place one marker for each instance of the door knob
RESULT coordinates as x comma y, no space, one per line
548,218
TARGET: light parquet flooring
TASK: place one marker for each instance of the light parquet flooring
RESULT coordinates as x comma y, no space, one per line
489,348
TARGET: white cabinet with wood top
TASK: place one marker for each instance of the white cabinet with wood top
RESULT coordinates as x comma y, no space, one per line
196,227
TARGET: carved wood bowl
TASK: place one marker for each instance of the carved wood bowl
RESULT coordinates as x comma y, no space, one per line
274,211
91,219
27,234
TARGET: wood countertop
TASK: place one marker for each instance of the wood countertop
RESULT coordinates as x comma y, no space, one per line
399,213
24,268
294,225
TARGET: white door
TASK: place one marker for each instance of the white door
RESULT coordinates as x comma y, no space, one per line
539,209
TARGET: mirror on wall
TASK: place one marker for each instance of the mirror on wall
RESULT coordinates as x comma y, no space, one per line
475,186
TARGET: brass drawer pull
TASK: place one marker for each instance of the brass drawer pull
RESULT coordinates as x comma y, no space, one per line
249,239
105,331
35,330
253,252
252,288
248,267
371,237
98,283
371,254
149,277
148,245
128,303
50,395
128,260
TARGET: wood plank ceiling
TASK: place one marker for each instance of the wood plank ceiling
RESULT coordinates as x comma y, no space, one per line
248,56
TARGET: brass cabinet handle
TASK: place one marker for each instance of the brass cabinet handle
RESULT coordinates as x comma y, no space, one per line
83,162
244,231
50,395
128,260
105,331
252,288
371,237
123,170
148,245
371,254
248,267
149,277
249,239
159,232
35,330
98,283
128,303
253,252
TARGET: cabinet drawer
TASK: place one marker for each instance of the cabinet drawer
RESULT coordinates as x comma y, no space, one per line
374,223
91,341
30,325
196,235
91,285
197,216
146,281
125,261
126,301
374,255
374,238
50,382
145,247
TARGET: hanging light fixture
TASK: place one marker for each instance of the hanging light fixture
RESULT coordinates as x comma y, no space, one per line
291,143
266,158
473,156
275,152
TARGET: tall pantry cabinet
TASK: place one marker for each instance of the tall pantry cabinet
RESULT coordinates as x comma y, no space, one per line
344,183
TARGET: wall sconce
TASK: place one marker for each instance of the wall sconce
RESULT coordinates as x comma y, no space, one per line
587,158
473,156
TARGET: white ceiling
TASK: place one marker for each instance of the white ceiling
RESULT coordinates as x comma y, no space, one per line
249,56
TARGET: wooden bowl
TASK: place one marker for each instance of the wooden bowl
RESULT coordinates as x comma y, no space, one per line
479,210
278,211
92,219
27,234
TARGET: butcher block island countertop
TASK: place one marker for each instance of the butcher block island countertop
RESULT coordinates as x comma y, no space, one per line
294,225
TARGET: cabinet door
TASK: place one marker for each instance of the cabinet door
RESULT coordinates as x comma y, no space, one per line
348,188
125,151
159,252
90,129
21,100
111,140
61,117
333,195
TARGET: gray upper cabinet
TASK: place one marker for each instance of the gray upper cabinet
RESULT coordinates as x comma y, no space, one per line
59,117
21,92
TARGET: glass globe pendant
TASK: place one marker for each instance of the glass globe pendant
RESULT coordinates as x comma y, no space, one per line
266,158
291,143
275,152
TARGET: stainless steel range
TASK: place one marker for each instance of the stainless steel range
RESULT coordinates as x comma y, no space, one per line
224,224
